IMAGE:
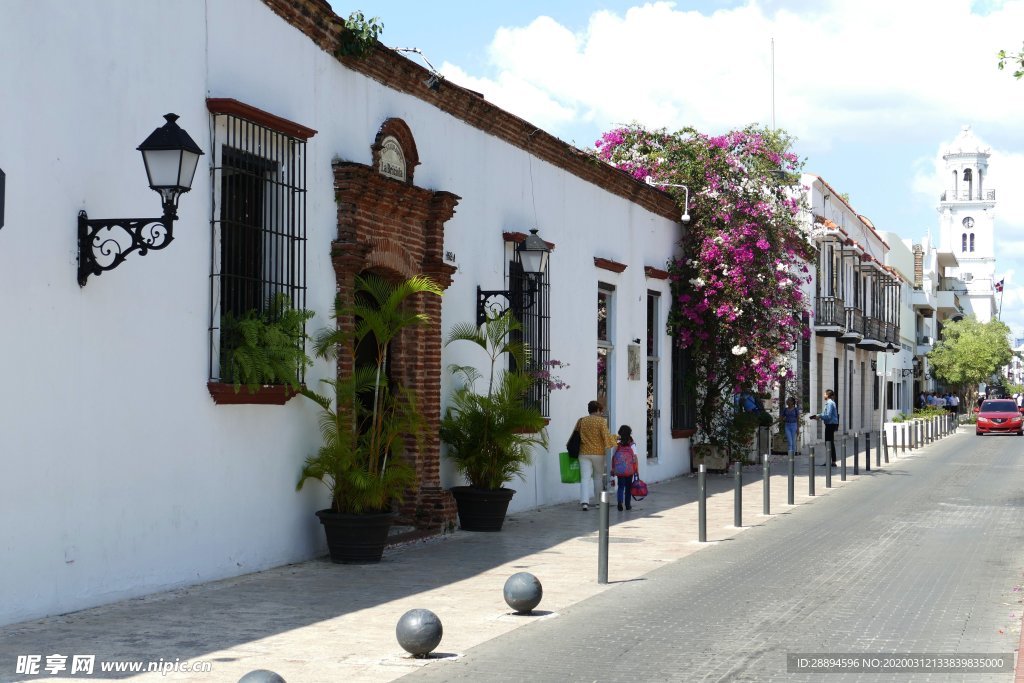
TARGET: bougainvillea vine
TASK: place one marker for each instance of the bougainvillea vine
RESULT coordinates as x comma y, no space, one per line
738,279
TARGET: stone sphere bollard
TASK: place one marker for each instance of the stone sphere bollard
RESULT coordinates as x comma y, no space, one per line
523,592
419,631
261,676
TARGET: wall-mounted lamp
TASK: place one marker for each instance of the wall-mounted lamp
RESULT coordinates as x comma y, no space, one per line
533,254
171,157
433,82
636,340
686,198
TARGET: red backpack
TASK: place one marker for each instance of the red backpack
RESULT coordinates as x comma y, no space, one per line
624,462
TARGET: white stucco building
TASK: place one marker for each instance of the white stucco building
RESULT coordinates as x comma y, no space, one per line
129,468
856,306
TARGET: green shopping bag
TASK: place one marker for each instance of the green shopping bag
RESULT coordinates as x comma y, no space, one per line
570,468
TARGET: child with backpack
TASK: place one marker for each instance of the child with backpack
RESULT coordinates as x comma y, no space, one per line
625,465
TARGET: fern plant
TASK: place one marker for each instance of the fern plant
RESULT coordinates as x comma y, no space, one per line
490,435
265,347
366,426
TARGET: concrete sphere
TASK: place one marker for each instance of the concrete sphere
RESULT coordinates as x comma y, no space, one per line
261,676
523,592
419,631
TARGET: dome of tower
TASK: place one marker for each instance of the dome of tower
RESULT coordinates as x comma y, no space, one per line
967,143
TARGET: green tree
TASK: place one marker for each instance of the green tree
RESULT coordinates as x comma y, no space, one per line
970,352
1015,60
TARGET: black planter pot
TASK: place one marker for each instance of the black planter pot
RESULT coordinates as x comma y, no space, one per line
481,509
356,538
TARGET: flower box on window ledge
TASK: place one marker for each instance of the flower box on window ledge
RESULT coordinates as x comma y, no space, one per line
267,394
263,354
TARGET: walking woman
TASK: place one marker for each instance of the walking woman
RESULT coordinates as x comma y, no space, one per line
595,440
791,422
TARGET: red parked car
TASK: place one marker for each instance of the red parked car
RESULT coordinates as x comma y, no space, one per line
999,415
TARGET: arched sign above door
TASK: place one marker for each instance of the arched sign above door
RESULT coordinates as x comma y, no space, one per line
394,151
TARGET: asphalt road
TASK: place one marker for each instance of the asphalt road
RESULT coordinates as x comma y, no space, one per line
923,557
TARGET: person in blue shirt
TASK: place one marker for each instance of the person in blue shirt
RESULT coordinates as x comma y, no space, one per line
829,417
791,422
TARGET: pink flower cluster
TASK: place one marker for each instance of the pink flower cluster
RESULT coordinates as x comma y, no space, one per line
738,302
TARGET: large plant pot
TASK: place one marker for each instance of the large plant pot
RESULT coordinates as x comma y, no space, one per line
713,457
356,538
481,509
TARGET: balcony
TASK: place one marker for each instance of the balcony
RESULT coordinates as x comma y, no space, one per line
947,303
924,344
923,301
854,326
874,335
828,316
892,335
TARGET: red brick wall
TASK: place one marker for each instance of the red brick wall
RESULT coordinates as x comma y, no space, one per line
397,230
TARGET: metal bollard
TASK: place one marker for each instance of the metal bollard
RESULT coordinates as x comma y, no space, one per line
737,499
903,437
766,476
602,541
811,457
856,453
885,447
790,493
702,504
878,449
867,451
842,463
828,469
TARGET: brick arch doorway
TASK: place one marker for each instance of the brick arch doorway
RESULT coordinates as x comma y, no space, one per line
396,230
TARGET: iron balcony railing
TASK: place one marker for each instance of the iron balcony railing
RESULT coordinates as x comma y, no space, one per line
873,328
890,333
828,311
854,320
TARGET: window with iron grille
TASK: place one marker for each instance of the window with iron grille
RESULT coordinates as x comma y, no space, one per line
531,306
258,247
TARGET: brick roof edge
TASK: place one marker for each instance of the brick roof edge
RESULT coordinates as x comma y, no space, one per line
318,21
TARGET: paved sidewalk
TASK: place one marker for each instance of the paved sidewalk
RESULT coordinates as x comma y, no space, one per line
317,621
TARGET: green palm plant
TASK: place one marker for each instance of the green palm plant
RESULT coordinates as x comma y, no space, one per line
365,424
490,435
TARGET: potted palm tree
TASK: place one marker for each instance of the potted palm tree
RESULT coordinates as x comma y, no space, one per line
365,422
490,434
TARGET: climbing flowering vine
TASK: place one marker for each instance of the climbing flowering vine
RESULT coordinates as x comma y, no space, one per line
737,279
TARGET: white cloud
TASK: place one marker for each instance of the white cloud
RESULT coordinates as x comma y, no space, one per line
874,72
841,68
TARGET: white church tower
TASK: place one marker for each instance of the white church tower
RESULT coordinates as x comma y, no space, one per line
967,224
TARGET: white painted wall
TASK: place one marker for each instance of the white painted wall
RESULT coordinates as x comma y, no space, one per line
120,475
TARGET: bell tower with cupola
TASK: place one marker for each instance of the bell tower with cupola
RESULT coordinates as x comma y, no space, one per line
967,224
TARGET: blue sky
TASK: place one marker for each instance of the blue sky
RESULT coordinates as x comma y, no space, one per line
872,89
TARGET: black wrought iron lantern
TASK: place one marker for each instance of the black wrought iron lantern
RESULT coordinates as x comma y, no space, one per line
170,156
532,253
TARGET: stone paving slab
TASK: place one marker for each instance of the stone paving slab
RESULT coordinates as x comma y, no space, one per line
317,621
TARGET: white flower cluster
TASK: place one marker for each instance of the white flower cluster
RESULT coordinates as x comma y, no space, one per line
739,350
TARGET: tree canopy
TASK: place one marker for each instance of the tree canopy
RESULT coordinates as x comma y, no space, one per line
970,352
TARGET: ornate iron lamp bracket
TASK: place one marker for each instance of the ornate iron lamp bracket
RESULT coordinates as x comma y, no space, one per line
104,243
487,302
